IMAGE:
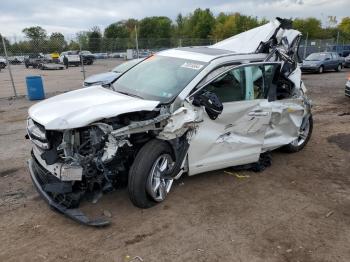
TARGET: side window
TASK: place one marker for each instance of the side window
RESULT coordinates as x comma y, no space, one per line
244,83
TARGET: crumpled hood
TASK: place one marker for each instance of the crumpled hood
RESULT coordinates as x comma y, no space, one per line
84,106
249,41
104,77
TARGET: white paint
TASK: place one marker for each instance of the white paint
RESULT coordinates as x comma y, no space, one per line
249,41
84,106
186,55
234,138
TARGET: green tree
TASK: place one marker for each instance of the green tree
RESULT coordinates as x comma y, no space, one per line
73,45
311,26
57,42
231,24
7,43
200,24
344,25
37,38
117,30
94,39
83,40
155,31
35,33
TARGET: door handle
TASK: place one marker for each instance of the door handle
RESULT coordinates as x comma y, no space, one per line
258,113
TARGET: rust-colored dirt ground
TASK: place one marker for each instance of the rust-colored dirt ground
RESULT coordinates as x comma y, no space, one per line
296,210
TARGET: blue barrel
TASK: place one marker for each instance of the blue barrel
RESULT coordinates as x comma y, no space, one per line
35,89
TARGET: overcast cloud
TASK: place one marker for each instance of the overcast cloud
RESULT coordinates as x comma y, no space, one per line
71,16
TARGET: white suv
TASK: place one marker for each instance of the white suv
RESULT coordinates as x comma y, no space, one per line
184,110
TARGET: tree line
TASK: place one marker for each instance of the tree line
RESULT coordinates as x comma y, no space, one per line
200,27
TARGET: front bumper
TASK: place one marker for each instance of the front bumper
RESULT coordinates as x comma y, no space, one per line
347,89
309,68
40,178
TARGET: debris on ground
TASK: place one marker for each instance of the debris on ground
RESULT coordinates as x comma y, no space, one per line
329,213
137,258
107,213
236,175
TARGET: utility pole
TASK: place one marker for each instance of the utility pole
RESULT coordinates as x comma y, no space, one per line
82,61
9,66
336,48
137,43
305,44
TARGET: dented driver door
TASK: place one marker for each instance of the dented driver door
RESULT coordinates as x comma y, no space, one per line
236,137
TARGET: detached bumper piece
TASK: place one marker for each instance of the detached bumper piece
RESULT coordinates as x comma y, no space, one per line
347,90
44,185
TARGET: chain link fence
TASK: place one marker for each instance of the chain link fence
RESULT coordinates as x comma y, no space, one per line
45,57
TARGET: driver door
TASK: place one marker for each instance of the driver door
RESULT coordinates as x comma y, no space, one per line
236,136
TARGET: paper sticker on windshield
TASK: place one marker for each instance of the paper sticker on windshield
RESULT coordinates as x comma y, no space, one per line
192,66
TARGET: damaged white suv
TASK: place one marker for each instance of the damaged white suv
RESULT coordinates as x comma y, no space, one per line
183,110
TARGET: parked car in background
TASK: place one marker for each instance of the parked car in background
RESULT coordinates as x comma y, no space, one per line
117,55
100,55
107,78
184,110
73,57
16,60
320,62
347,87
3,62
347,61
88,57
34,60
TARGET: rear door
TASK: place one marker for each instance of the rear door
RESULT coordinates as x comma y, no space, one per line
236,137
328,62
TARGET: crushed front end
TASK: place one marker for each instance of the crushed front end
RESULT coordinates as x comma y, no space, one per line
65,168
68,166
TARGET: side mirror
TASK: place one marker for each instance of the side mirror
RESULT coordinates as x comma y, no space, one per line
327,59
211,103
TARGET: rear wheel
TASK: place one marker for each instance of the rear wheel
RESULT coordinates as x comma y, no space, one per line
150,176
304,136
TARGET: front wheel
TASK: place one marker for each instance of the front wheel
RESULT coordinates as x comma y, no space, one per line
150,176
339,68
304,137
320,70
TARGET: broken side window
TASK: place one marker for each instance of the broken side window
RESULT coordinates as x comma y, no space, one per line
244,83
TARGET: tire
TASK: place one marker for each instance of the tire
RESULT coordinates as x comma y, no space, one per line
320,69
27,66
140,173
296,146
339,68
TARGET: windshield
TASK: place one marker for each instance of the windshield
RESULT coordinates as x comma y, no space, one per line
317,57
125,66
158,78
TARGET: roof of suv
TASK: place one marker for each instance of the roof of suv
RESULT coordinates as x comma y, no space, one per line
201,53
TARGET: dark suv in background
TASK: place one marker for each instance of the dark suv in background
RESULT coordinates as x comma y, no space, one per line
320,62
88,57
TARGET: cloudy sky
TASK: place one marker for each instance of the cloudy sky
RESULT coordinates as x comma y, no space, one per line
71,16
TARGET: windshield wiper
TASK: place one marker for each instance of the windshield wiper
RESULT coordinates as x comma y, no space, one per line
129,94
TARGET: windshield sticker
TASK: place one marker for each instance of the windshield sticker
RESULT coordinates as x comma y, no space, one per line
192,66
